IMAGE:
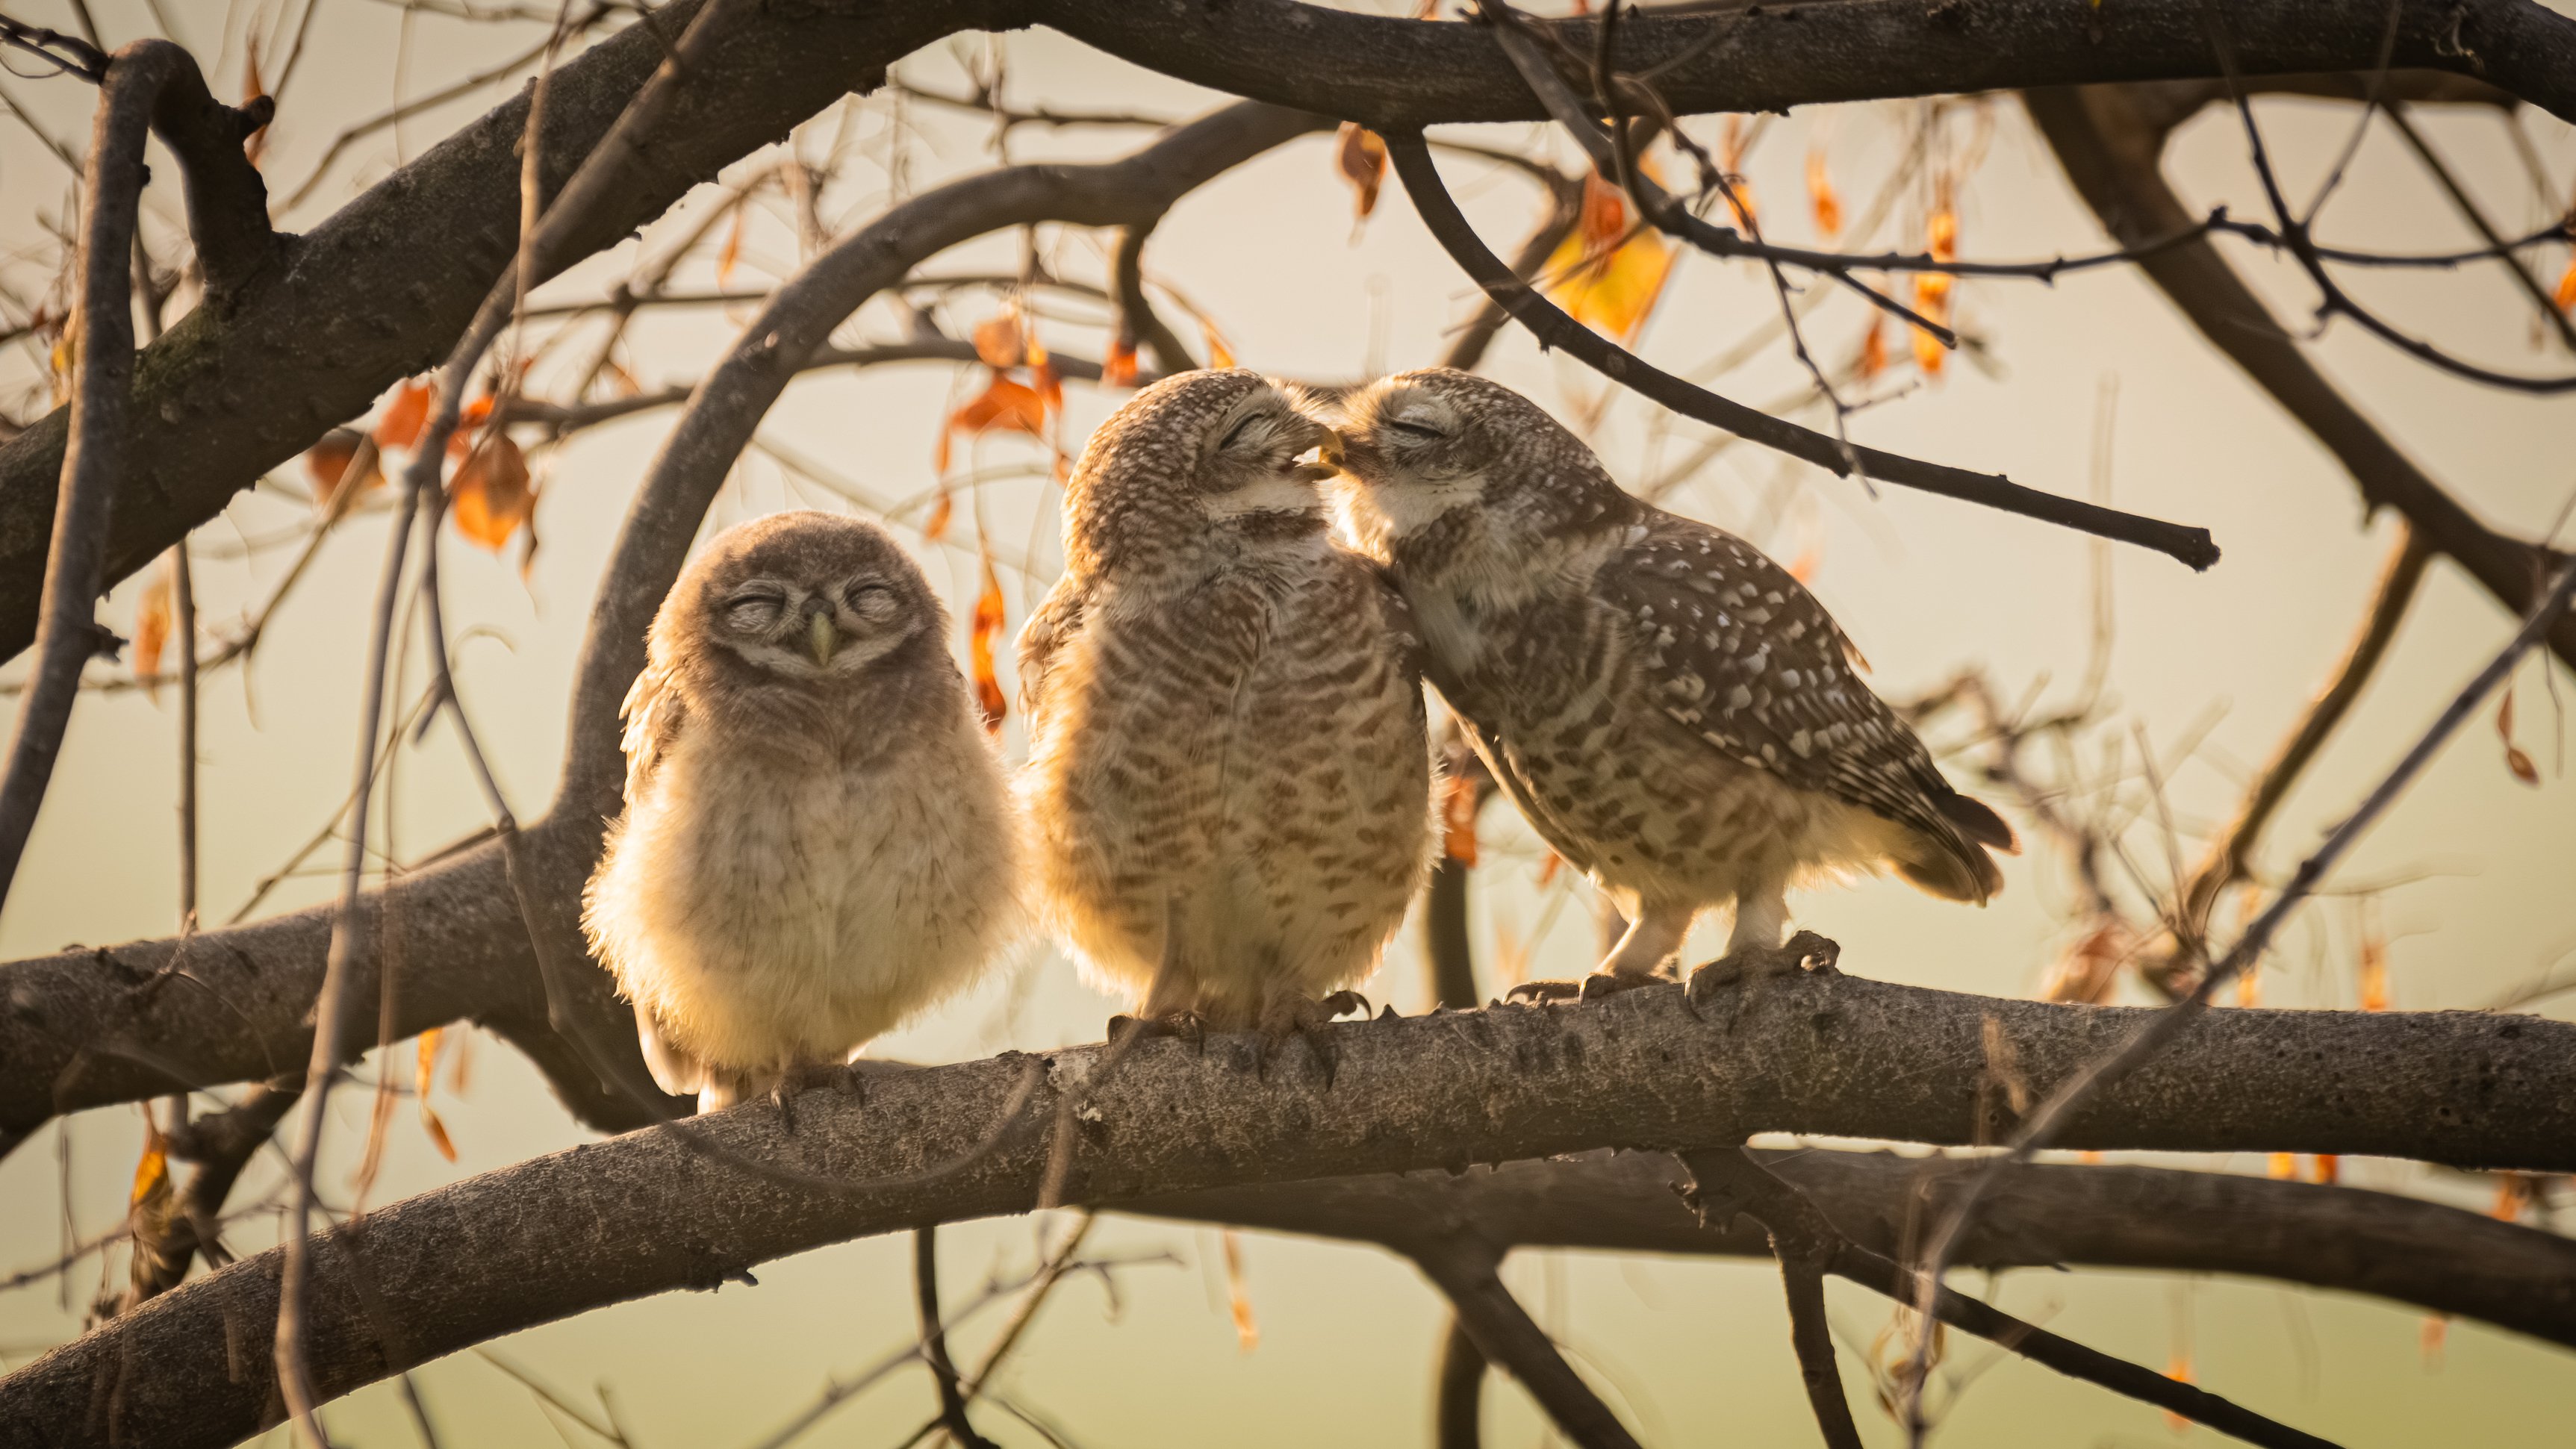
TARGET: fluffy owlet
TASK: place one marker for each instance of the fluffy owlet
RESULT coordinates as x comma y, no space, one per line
818,840
1229,776
1670,709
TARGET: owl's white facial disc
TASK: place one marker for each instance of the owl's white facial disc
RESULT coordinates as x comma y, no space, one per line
1408,459
1263,456
813,629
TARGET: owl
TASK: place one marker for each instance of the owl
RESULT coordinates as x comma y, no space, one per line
819,841
1229,776
1672,711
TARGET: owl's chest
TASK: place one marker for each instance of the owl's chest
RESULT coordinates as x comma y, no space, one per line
810,833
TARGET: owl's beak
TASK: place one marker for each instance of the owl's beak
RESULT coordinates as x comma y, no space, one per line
1328,459
822,639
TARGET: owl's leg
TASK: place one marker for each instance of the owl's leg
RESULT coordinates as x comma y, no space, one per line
1753,950
1651,939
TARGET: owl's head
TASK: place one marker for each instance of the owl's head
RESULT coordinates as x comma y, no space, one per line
1438,453
798,601
1198,460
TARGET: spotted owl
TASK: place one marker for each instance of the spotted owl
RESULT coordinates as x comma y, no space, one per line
819,841
1229,777
1672,711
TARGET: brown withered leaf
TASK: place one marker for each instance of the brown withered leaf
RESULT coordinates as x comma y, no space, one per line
1359,154
152,619
489,496
404,417
2514,759
1005,405
998,340
1458,819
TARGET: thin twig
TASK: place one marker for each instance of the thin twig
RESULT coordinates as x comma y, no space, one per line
934,1340
1554,328
2108,1071
1504,1333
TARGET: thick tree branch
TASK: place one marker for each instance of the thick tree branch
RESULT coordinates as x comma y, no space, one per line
1825,1055
150,86
1139,325
378,291
1554,328
2109,139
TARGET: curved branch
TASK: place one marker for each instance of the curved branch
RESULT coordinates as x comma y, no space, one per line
355,315
1825,1055
1138,323
2110,139
1554,328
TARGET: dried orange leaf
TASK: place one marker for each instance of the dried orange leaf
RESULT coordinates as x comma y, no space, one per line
1873,347
2326,1168
152,1173
1118,368
1238,1292
2567,288
1458,819
1003,406
401,424
490,496
732,252
1606,283
1046,381
942,508
152,628
1803,569
2374,971
2514,759
2178,1369
1220,352
1360,155
327,464
1548,868
2284,1166
2429,1341
997,339
1821,200
985,626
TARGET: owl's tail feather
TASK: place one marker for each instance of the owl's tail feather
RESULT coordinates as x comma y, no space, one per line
1978,821
1951,865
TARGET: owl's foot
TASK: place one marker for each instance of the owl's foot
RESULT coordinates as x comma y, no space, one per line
1187,1025
1299,1016
796,1081
1806,951
1591,988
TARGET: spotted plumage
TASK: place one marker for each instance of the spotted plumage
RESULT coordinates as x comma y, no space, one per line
1673,712
1228,775
818,840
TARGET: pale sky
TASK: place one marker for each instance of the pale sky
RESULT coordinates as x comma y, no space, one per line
2469,873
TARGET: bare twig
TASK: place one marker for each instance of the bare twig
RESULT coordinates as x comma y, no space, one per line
1138,324
934,1340
151,85
1554,328
2545,305
1458,1406
1462,1266
1727,1182
2230,857
2079,1090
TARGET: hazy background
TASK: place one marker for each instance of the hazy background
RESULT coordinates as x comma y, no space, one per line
2471,871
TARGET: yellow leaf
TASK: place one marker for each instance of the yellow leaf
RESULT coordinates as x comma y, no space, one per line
2284,1166
1604,282
152,1173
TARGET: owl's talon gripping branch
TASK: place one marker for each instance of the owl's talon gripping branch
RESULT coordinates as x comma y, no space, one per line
1806,952
1311,1019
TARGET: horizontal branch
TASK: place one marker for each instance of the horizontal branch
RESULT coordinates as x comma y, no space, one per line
1825,1055
2352,1240
221,400
1554,328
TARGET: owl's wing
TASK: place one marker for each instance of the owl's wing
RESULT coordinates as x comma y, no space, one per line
1043,637
1744,657
652,713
